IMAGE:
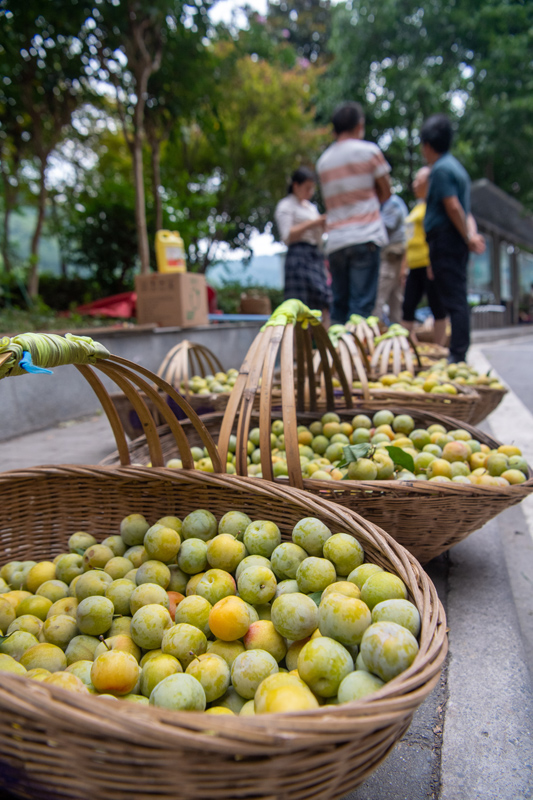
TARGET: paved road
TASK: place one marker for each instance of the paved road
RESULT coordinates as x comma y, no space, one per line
473,738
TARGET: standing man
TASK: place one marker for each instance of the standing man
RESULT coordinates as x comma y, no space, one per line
354,177
394,212
451,230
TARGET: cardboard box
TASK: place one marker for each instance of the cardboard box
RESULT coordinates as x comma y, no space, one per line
173,298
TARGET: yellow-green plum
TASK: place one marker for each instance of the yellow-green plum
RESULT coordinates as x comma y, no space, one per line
116,544
199,524
212,672
157,669
252,561
322,664
262,537
9,664
45,656
96,557
192,556
82,670
92,583
264,611
216,584
248,709
178,579
228,650
7,613
286,558
234,523
225,552
38,674
342,618
53,590
314,574
67,605
291,658
120,625
345,553
60,630
115,672
162,543
362,573
360,663
119,642
153,572
180,692
249,669
120,592
295,616
184,642
358,684
257,585
262,635
149,625
147,594
382,586
231,700
16,644
37,575
311,534
36,605
342,587
81,648
65,680
194,610
140,699
287,587
133,529
80,541
28,623
388,649
95,615
403,612
137,555
282,693
118,566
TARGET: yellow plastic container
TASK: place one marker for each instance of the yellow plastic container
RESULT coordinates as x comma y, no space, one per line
170,252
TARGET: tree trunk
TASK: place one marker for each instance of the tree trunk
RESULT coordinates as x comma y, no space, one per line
140,204
5,238
155,146
33,281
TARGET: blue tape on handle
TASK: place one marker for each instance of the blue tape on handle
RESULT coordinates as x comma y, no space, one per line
27,364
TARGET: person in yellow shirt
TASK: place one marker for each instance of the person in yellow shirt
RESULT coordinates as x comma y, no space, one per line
416,265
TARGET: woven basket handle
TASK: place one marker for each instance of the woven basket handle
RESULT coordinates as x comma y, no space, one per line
184,359
50,350
286,335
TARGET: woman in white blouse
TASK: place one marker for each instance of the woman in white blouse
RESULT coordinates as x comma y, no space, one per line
300,227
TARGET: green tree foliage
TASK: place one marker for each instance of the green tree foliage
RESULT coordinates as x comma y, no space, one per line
304,24
41,51
225,175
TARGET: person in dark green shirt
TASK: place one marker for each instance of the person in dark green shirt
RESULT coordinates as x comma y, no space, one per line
451,230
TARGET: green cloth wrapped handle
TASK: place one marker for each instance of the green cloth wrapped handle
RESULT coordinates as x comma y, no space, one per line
48,350
335,332
292,311
394,331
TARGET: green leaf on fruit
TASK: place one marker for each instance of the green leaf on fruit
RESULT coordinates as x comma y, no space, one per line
353,452
3,638
400,457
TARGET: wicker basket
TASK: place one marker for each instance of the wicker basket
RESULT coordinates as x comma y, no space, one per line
489,400
56,744
426,517
356,367
176,368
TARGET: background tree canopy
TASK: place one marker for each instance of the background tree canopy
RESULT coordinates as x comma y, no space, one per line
118,117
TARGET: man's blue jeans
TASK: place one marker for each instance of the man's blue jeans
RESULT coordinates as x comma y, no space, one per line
354,275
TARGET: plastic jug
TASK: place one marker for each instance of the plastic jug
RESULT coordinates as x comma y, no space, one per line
170,252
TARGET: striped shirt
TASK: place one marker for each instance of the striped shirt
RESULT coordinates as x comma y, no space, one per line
347,172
